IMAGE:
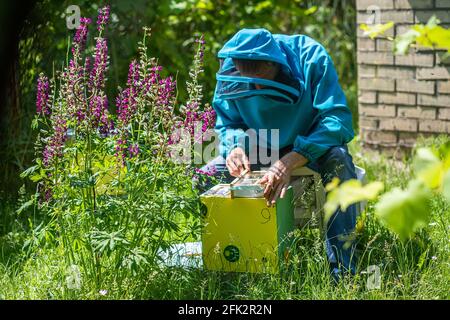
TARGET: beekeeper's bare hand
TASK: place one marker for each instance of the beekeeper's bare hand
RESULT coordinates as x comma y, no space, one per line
277,178
237,162
276,181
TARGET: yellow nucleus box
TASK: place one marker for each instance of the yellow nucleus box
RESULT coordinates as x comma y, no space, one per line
242,234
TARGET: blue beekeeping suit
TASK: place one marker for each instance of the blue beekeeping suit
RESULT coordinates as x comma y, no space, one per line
305,103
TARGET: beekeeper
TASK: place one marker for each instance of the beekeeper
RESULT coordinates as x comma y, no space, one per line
287,83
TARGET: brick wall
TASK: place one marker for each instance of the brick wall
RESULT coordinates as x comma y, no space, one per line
401,97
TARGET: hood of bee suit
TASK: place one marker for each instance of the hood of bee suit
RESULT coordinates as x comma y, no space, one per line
255,44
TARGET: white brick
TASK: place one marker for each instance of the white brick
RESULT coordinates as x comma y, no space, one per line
420,60
435,73
362,5
438,101
377,84
395,124
442,3
376,110
437,126
366,71
414,4
398,16
367,97
397,98
395,72
444,113
368,122
424,16
407,139
384,45
365,44
378,58
416,112
380,137
415,86
443,86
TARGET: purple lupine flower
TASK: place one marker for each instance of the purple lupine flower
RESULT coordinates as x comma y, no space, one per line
48,194
201,49
210,172
73,90
208,119
79,40
47,155
121,147
125,106
126,102
151,79
165,92
42,96
99,114
133,150
133,74
98,72
103,17
87,67
193,111
54,147
45,192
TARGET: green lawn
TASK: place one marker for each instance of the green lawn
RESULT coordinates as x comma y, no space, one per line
416,269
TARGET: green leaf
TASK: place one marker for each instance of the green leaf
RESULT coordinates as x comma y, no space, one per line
446,186
35,123
332,184
430,35
311,10
376,30
403,42
36,177
405,211
205,5
429,169
28,171
263,5
178,5
348,193
26,205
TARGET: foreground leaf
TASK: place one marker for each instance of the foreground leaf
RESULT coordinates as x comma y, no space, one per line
405,211
446,186
428,167
404,41
348,193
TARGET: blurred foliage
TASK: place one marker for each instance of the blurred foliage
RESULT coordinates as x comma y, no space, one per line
174,25
430,35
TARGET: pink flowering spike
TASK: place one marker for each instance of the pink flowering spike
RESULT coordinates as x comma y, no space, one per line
55,145
42,95
127,101
201,41
79,40
99,112
133,74
87,67
103,18
133,150
100,67
165,92
121,148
